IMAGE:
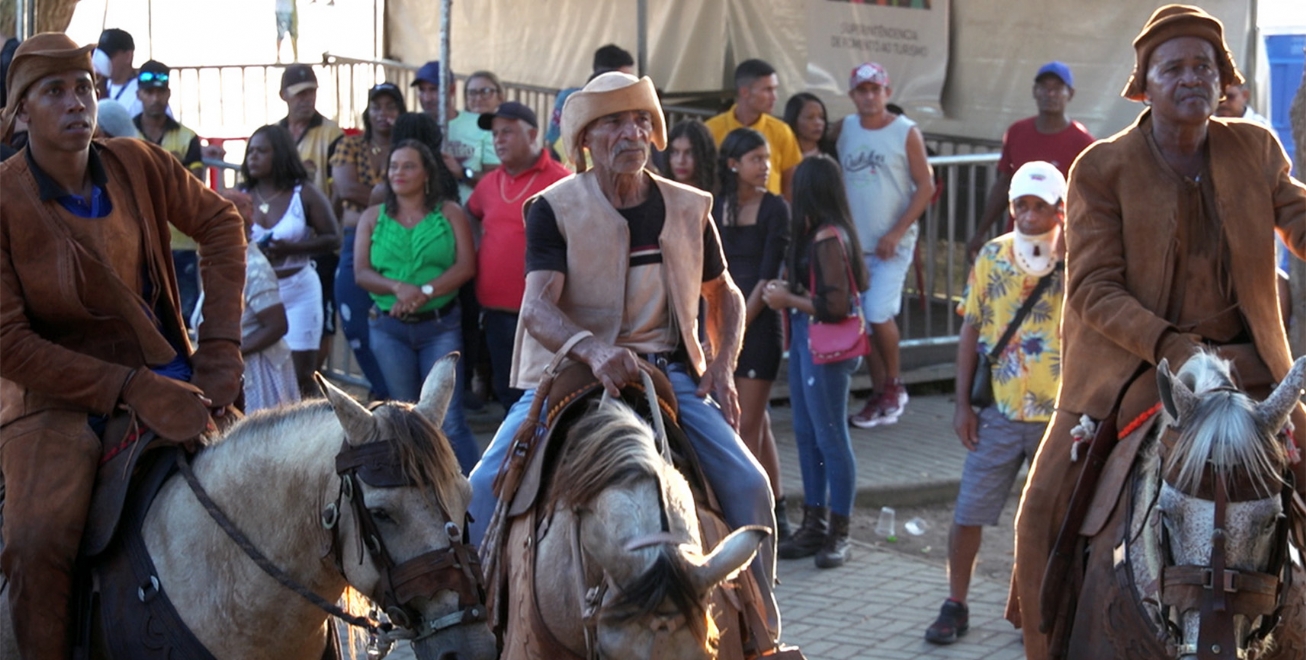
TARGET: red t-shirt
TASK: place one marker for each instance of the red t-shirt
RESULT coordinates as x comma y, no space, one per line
501,258
1023,143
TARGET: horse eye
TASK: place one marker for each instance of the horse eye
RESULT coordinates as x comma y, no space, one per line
380,515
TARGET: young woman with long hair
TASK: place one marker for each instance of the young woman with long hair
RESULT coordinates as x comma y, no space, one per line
412,252
824,247
754,228
691,156
805,114
292,221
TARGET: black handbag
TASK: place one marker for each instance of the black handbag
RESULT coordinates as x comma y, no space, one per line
981,384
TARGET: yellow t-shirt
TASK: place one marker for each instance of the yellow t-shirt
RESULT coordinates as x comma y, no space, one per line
784,146
1026,374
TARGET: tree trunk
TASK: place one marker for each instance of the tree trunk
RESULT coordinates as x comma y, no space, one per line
51,15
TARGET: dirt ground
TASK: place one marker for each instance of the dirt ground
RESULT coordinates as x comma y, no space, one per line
996,554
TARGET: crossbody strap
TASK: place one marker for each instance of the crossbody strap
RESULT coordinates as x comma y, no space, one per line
854,307
1043,283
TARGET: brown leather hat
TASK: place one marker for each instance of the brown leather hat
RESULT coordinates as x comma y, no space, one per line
41,55
1173,21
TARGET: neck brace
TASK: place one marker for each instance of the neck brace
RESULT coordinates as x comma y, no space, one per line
1036,254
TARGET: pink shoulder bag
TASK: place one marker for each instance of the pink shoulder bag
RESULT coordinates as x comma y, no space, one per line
841,340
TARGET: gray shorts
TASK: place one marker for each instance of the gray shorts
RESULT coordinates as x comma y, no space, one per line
991,469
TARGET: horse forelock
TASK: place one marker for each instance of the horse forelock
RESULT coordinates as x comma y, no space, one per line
1221,431
608,446
425,453
668,579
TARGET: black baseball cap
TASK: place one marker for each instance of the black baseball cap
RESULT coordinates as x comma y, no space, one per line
153,74
508,110
387,89
297,78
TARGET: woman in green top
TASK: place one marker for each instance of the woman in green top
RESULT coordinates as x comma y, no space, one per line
411,254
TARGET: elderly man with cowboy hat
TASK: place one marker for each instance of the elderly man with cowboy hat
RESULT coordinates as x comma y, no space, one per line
89,319
605,307
1170,230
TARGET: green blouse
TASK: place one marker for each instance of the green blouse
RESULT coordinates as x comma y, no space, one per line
415,256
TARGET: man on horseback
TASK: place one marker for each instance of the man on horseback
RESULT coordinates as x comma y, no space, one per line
617,259
1170,249
89,316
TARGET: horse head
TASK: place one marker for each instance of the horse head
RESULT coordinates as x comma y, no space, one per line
642,572
400,518
1221,504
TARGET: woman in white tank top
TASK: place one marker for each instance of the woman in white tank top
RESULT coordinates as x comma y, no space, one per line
292,221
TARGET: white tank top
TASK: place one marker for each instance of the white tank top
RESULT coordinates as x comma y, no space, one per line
877,176
291,228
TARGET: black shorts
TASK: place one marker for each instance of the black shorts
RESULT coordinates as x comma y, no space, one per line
325,265
763,347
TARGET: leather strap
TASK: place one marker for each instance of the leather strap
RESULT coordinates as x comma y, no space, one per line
1215,636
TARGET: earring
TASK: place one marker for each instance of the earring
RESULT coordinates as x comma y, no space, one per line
735,170
427,187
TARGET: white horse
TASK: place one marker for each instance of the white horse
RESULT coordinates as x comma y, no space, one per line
622,572
274,475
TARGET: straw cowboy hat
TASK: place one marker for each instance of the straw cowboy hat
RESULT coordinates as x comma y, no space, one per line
606,94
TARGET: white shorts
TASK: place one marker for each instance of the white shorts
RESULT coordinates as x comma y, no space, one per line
882,300
301,294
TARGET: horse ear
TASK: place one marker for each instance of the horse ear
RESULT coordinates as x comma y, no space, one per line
438,389
1177,399
730,556
1272,413
356,419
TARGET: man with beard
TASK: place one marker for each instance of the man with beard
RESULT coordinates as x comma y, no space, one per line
1170,249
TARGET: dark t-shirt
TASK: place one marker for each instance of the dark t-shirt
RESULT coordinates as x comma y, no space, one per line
647,324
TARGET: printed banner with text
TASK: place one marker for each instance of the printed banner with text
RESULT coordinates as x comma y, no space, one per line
908,37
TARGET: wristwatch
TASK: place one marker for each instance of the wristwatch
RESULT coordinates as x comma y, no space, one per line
468,174
428,290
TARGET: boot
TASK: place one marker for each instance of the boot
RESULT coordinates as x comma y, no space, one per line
810,535
782,530
834,552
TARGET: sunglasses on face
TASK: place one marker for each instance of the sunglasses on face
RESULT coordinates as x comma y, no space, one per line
150,76
483,91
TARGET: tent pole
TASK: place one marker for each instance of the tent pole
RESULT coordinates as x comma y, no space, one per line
446,72
641,10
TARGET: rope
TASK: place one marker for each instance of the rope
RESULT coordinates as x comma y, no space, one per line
253,553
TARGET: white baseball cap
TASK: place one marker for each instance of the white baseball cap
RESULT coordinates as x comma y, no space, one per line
1040,179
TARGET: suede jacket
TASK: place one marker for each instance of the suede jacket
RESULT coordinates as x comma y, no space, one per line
1121,252
595,290
71,331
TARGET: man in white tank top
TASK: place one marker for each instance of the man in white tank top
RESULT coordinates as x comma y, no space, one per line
889,184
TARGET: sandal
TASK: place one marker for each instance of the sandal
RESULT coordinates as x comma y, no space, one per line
953,622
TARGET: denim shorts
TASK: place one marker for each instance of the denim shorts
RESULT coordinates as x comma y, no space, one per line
991,469
882,300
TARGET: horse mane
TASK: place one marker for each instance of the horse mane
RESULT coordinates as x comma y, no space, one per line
1221,428
424,451
611,446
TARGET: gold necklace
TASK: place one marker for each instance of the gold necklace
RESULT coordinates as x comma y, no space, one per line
503,194
265,204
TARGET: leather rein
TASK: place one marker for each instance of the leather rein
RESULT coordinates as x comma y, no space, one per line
454,568
1220,593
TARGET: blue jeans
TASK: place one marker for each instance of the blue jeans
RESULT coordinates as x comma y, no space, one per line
500,335
353,302
819,395
738,479
407,351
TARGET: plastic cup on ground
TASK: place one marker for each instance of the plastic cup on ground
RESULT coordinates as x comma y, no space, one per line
916,526
885,526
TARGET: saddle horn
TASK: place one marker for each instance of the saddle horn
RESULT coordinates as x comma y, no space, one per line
1273,413
438,389
356,420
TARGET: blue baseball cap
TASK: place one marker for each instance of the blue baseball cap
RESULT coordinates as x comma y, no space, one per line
1057,69
430,72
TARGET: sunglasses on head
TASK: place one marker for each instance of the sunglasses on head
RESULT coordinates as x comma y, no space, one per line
150,76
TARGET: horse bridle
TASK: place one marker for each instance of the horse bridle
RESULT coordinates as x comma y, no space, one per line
1220,593
455,568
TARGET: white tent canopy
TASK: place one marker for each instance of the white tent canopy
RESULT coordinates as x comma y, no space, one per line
996,46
